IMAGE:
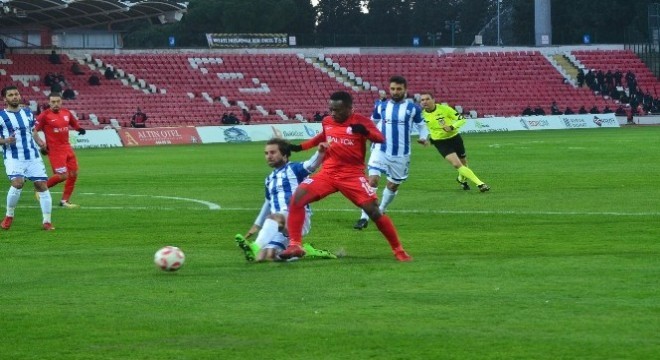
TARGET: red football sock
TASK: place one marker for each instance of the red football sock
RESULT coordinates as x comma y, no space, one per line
386,227
68,187
54,180
296,218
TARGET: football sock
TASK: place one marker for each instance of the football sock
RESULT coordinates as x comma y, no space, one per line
388,197
364,215
54,180
460,177
12,199
296,218
46,203
386,227
267,233
254,247
68,187
467,173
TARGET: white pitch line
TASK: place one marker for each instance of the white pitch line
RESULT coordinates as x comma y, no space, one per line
485,212
214,206
210,205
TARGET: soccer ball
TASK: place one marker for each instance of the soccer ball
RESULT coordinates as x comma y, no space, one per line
169,258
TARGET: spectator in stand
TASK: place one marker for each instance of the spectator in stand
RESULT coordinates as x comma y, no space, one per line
554,109
655,106
633,103
538,111
594,110
94,80
69,94
3,48
569,111
620,111
318,117
233,119
225,119
618,75
109,73
139,119
528,111
246,117
607,110
600,77
580,77
590,79
54,58
583,110
56,87
630,120
76,69
609,78
49,79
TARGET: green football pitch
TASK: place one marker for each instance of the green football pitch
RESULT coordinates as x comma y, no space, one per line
561,260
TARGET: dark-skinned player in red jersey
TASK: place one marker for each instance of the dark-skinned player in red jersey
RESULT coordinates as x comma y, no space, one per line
343,170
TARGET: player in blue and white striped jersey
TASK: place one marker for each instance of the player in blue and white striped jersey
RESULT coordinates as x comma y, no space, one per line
395,118
21,146
279,187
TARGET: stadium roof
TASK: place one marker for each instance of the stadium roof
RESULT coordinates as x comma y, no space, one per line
68,14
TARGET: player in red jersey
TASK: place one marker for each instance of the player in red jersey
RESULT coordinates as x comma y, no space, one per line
343,170
55,123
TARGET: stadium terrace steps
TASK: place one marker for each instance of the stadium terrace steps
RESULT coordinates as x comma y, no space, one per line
619,60
492,83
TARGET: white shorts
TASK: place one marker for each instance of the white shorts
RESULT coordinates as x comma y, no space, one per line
280,242
33,170
395,167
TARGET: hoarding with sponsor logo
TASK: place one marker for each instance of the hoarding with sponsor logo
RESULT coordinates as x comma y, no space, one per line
304,131
159,136
246,133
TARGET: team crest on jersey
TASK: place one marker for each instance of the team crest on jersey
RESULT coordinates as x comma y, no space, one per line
66,118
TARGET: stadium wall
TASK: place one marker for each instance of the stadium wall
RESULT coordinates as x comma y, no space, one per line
129,137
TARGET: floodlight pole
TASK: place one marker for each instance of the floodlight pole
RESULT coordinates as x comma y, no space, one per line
499,39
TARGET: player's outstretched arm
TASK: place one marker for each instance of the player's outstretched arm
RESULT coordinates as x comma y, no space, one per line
314,162
259,221
319,138
373,133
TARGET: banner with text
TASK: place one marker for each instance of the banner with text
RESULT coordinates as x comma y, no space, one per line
247,133
553,122
247,40
95,139
105,138
159,136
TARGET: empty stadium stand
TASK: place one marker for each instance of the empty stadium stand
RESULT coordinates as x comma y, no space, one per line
196,89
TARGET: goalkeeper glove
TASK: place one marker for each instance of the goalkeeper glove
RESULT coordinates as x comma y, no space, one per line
82,131
44,151
295,148
359,129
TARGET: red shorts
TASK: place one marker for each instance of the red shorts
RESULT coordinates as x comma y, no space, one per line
63,160
354,187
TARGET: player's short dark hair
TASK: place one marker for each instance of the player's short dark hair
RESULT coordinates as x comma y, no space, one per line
398,79
7,88
54,94
427,92
283,145
342,96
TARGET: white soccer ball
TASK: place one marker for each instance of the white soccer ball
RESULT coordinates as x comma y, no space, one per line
169,258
